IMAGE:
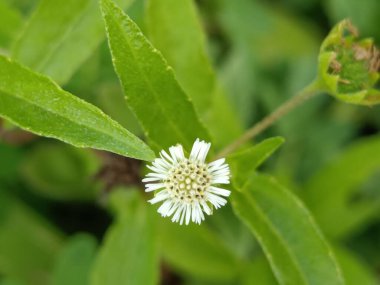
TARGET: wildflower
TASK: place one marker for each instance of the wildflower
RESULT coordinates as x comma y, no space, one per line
187,186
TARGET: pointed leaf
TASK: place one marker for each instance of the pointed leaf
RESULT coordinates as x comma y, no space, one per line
37,104
167,23
75,261
291,240
258,272
128,255
10,22
50,23
60,36
336,194
354,270
68,177
208,258
150,87
243,164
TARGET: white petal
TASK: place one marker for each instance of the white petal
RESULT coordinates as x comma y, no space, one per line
195,150
219,191
177,153
177,214
196,215
224,169
156,175
216,200
183,214
151,179
173,208
201,216
165,155
165,208
206,208
205,147
162,164
220,174
153,187
216,164
157,170
163,195
188,214
222,180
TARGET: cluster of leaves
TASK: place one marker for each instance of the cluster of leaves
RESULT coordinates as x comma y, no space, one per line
269,234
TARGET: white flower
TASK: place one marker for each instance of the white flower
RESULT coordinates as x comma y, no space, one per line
187,186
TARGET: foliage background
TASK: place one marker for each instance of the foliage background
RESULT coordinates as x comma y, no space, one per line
56,201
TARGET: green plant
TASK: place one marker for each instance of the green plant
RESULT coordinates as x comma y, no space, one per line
304,217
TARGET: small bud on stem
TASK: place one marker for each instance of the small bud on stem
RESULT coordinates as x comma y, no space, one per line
349,66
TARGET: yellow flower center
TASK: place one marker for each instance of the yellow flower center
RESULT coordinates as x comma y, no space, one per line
188,181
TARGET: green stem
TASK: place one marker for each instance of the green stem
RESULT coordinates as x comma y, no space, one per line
305,94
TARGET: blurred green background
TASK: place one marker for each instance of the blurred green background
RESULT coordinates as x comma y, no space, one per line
54,197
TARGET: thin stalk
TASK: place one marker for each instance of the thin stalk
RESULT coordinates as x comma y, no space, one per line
305,94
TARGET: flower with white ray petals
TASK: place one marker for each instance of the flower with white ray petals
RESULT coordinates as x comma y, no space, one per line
187,186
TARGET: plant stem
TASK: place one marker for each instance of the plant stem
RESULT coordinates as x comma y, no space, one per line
305,94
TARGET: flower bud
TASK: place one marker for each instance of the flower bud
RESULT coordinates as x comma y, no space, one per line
349,66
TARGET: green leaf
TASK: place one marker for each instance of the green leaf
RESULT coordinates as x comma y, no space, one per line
13,156
337,194
60,36
49,25
111,100
37,104
354,270
28,244
292,242
150,87
221,114
238,76
74,262
167,22
196,251
258,272
10,282
243,164
128,254
10,22
266,31
69,176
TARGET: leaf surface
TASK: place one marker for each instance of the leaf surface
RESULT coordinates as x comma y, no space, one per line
243,164
75,260
291,240
196,76
196,251
37,104
10,22
343,195
150,87
69,176
60,36
128,255
355,271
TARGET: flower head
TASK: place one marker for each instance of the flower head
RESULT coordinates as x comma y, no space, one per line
349,66
187,185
